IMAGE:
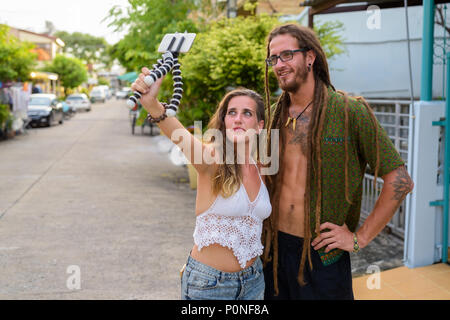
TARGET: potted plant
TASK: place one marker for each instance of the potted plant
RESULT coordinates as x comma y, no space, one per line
5,120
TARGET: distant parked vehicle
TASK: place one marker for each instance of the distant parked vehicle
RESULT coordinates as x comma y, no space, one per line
68,111
108,92
44,109
79,101
98,94
123,93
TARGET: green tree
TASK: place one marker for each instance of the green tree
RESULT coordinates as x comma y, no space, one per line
146,22
16,58
230,53
88,48
330,38
5,118
71,71
103,81
227,53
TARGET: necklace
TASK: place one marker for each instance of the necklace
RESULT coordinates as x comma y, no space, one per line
294,120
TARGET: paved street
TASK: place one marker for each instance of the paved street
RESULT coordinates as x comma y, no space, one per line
87,193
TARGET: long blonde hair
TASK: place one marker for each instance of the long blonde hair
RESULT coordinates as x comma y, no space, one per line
227,177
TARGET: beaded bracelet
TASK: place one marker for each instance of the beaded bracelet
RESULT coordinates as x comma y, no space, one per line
161,117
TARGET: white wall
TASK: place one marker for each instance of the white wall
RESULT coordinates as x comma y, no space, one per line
376,62
423,233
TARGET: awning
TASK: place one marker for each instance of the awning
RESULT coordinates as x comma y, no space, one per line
337,6
130,76
43,75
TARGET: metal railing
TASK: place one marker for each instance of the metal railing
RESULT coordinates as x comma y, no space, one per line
370,196
393,116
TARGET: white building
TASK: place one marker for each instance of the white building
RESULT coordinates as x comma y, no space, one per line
376,63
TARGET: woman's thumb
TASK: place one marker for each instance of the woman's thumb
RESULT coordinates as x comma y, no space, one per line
154,88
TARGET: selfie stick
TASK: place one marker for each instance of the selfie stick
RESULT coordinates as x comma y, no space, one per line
171,45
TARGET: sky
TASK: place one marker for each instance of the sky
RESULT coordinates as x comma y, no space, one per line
66,15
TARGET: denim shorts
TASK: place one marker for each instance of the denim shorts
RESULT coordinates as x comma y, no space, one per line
202,282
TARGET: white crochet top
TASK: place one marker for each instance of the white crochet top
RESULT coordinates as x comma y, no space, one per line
235,222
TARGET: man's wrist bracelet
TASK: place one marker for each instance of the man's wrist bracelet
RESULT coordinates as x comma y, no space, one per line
355,243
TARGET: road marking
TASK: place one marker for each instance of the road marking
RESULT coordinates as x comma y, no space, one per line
8,248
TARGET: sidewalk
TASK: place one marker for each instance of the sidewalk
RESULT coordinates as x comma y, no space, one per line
425,283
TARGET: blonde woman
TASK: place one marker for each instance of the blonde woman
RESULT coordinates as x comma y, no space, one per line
232,199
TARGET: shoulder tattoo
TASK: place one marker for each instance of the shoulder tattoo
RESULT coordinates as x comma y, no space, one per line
402,184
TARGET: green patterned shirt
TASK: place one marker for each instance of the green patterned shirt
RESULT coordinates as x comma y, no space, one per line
362,152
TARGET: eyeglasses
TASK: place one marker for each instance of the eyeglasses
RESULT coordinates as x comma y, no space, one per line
284,56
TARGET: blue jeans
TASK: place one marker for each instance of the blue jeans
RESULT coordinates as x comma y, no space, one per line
202,282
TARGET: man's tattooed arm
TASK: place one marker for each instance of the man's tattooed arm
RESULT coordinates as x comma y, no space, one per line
397,184
402,184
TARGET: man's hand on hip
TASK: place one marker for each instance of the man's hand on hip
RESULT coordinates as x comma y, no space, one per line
338,237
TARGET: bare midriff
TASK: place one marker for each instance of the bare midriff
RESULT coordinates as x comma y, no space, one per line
219,257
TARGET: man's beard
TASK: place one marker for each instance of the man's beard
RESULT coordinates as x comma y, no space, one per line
300,78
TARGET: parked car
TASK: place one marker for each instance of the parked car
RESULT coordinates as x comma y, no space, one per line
79,101
98,94
107,90
44,109
123,93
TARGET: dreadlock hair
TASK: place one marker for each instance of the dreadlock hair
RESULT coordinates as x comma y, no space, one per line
306,39
228,177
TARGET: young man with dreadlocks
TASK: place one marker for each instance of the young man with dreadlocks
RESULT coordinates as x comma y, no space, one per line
326,141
